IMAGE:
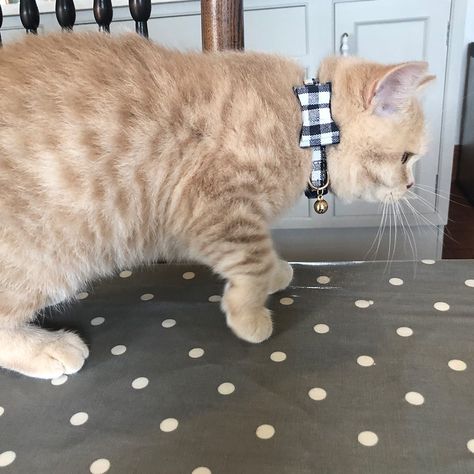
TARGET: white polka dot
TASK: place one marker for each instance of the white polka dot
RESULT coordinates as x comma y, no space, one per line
470,445
441,306
59,380
278,356
82,296
147,297
189,275
396,281
458,365
79,418
99,466
323,279
265,431
469,283
368,438
226,388
118,350
168,323
6,458
125,274
214,298
170,424
196,353
2,411
140,382
97,321
365,361
414,398
287,301
404,332
427,261
363,303
317,393
321,328
201,470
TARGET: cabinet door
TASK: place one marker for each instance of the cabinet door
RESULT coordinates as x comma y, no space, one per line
391,31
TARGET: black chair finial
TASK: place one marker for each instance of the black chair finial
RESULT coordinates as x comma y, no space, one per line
66,14
141,11
103,14
29,15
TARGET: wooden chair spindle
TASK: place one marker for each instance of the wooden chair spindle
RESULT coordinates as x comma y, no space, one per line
103,14
29,15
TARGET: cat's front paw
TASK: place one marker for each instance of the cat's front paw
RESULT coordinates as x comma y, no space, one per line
254,327
43,354
65,355
282,277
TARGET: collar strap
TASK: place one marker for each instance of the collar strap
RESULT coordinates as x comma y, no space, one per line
318,131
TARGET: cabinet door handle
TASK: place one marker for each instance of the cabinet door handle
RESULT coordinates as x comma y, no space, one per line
344,47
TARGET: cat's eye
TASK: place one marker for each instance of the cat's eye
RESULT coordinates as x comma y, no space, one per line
406,156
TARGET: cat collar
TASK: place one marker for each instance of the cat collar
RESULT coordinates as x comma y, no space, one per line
318,130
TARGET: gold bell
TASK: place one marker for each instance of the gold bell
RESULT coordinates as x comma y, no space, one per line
320,205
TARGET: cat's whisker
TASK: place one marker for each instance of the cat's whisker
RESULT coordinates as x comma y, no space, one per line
424,201
417,213
445,197
377,235
433,227
408,232
391,217
435,191
395,230
383,229
407,237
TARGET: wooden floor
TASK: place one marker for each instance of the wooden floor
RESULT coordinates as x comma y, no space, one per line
459,233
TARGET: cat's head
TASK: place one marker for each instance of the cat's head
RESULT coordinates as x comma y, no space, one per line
382,126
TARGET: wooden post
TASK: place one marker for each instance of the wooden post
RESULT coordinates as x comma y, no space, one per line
66,13
222,24
29,16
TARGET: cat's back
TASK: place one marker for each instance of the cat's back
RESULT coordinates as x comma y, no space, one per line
89,60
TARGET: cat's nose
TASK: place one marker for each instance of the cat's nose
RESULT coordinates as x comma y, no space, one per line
409,185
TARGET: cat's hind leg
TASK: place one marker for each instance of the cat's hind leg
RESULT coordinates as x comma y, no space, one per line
31,350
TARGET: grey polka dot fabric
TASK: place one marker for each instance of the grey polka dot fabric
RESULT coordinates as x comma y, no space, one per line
370,370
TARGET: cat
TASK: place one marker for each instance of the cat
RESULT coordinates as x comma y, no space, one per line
116,152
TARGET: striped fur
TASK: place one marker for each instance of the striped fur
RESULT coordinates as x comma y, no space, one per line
115,152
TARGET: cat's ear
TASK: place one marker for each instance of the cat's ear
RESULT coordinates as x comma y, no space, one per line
390,92
425,82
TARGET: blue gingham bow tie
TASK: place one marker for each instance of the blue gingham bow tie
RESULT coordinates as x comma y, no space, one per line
318,129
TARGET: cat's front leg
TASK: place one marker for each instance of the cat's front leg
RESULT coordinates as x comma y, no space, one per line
31,350
247,260
246,292
244,305
282,277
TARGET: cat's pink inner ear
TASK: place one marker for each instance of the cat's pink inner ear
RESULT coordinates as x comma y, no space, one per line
391,92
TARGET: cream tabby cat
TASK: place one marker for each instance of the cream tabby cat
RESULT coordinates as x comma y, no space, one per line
116,152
